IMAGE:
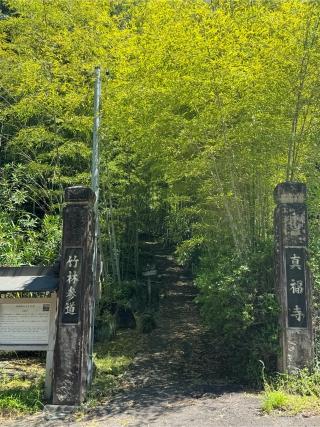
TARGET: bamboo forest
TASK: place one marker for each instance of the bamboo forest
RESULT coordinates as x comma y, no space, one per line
205,107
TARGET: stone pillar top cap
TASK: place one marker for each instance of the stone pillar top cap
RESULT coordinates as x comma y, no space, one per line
290,192
79,194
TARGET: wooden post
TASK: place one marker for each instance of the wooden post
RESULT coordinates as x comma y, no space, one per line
149,274
72,356
293,277
50,350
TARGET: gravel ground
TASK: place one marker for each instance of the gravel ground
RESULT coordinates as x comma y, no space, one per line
229,409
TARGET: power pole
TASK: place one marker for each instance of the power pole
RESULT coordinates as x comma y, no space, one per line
95,147
95,168
95,188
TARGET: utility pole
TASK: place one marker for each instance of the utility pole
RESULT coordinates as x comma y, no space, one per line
95,167
95,188
95,147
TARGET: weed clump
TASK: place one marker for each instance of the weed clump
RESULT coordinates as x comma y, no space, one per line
20,395
293,393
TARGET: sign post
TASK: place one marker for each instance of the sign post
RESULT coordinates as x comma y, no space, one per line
149,274
293,277
73,347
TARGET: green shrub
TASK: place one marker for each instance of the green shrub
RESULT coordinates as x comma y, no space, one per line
238,303
315,268
303,383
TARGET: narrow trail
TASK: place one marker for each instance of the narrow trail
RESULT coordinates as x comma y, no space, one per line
174,380
178,353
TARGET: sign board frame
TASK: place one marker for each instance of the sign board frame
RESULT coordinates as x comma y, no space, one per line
49,348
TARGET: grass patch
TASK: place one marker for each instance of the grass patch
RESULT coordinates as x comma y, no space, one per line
112,359
273,400
109,371
21,393
293,394
277,400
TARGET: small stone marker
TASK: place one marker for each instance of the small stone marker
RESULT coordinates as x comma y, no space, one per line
72,357
293,277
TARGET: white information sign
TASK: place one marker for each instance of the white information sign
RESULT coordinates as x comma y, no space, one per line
24,323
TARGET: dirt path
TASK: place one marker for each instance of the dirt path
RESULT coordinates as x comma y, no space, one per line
174,381
178,353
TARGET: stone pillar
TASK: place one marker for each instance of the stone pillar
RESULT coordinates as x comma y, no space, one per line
72,358
293,277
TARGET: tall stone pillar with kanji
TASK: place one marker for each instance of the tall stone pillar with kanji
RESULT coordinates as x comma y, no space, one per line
293,277
72,355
